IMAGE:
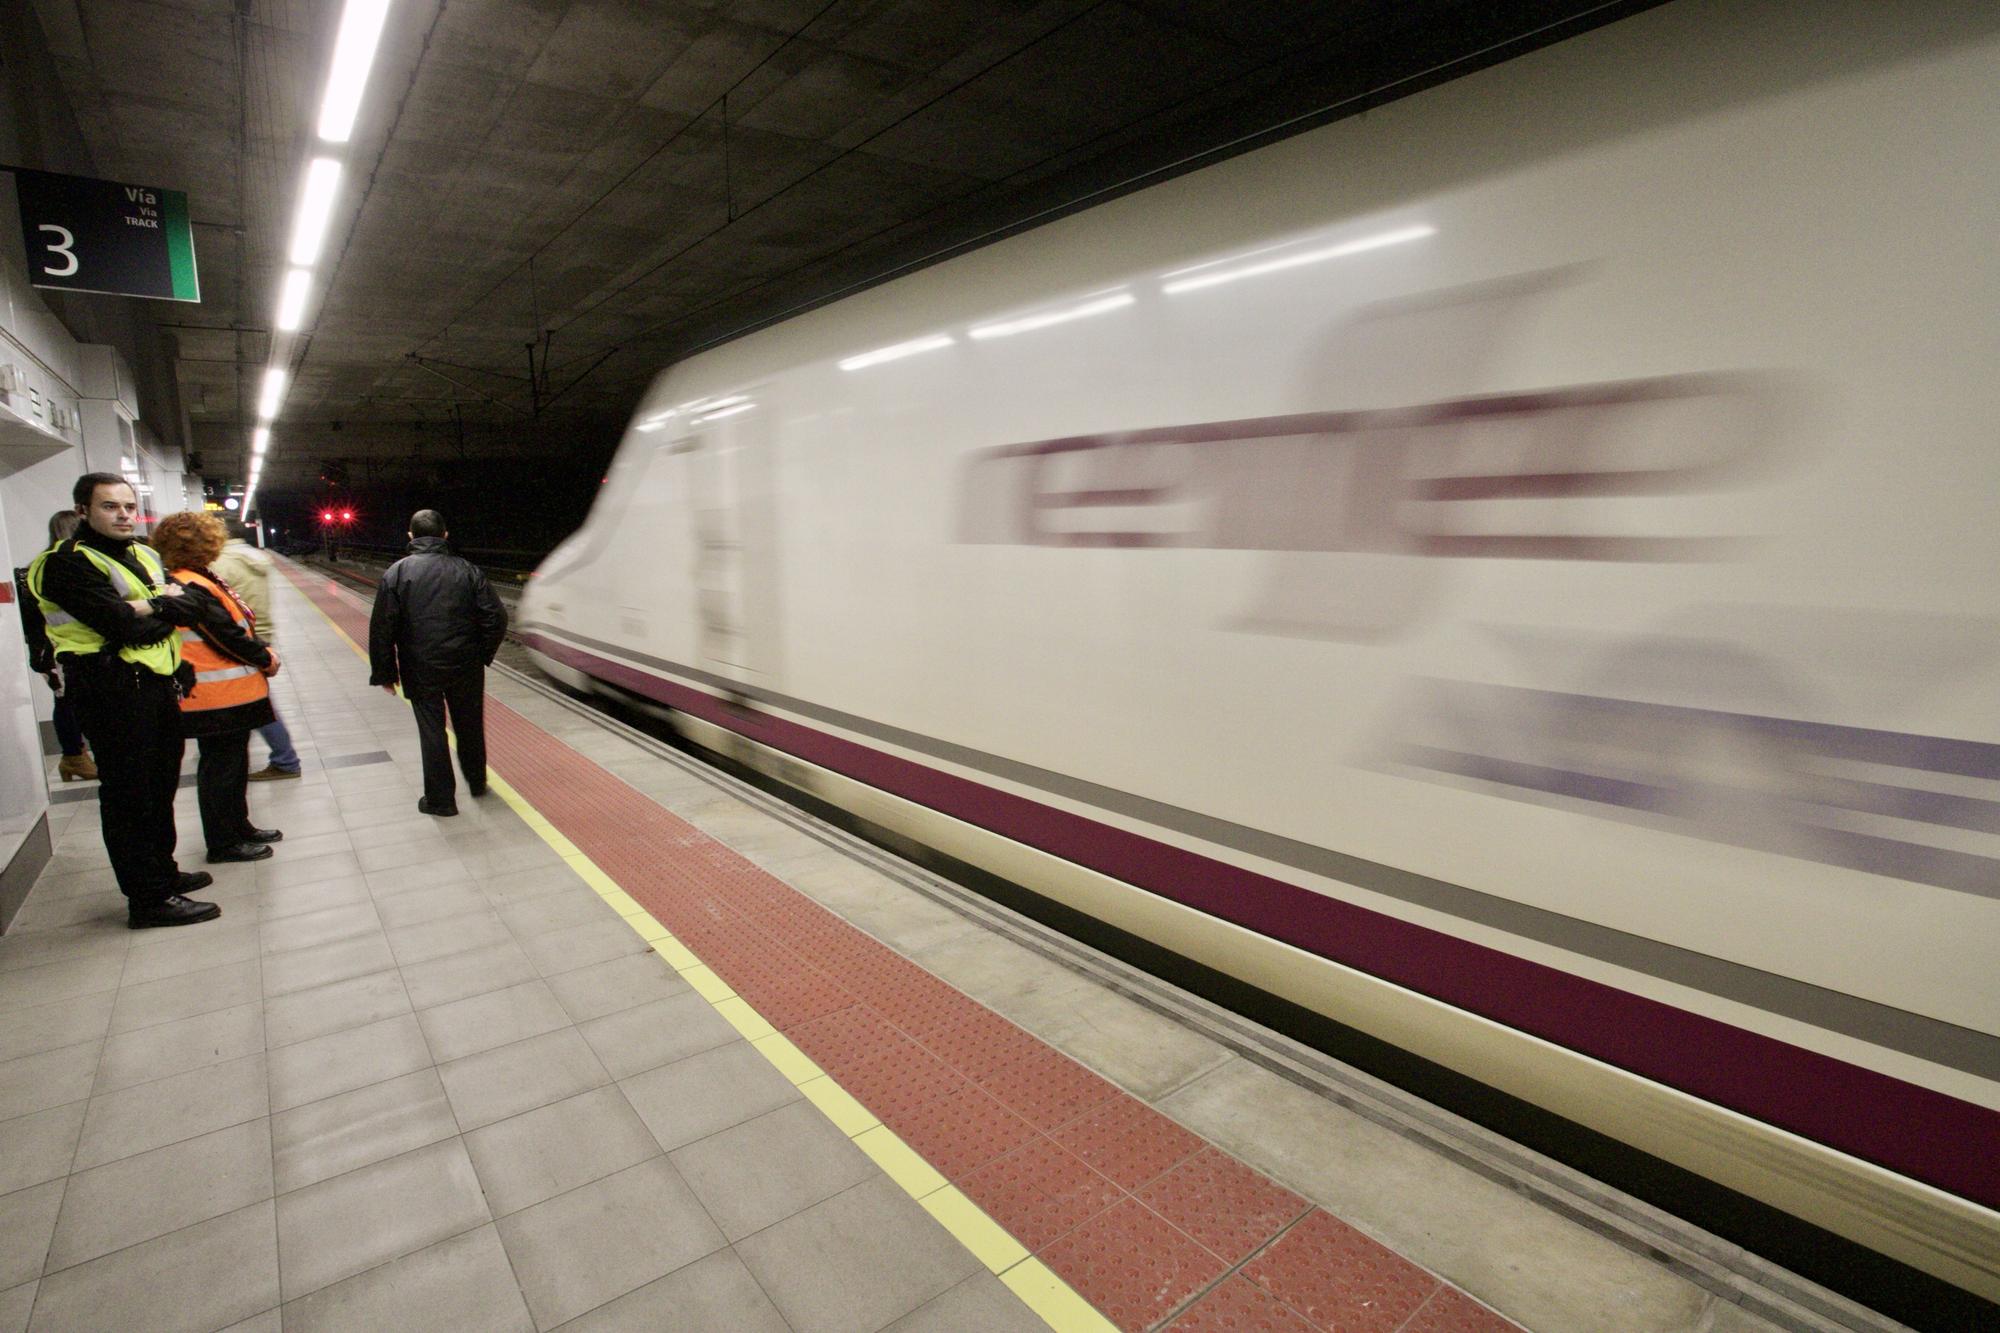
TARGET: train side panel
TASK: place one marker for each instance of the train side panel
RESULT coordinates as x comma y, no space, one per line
1527,551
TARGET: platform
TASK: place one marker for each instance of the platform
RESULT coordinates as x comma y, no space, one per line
626,1045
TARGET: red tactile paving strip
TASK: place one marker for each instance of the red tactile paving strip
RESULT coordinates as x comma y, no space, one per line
1224,1204
1140,1267
1340,1279
1145,1220
1235,1306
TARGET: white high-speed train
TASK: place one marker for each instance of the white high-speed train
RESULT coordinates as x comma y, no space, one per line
1516,573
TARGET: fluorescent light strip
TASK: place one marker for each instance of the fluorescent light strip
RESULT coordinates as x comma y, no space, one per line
1029,323
1237,258
725,412
897,351
272,396
292,300
316,197
260,440
1341,251
353,56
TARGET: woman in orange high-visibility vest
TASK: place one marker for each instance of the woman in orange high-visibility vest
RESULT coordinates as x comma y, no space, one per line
229,695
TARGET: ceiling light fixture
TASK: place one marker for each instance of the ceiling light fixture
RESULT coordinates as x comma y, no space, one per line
272,396
353,56
260,440
1176,285
292,299
322,183
1029,323
897,351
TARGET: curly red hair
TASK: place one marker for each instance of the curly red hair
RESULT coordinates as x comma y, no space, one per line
189,540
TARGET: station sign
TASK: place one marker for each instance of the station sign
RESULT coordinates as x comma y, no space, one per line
87,235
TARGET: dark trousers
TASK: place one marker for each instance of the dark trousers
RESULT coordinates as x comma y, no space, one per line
133,720
221,782
68,733
465,699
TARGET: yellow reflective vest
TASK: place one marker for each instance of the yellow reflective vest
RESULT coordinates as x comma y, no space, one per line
67,634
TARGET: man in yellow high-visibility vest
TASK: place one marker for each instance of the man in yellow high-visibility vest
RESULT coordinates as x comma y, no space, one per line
111,617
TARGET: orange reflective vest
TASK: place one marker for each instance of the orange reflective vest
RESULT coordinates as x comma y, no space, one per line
220,681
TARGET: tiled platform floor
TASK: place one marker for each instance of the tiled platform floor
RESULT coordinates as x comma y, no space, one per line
420,1076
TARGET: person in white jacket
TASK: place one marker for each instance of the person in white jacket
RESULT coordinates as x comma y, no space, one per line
247,571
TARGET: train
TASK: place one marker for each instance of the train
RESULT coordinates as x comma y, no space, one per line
1511,575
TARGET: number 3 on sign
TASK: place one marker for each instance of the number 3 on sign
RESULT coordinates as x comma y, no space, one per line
60,247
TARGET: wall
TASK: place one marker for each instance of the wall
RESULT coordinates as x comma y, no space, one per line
69,403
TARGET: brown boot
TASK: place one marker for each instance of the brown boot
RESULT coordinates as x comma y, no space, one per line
77,768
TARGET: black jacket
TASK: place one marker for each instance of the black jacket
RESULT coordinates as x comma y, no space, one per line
34,630
215,625
80,588
76,585
435,619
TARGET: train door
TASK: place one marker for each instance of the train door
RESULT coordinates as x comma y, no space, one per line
731,500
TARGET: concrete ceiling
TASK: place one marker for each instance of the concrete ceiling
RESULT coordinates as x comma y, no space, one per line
613,182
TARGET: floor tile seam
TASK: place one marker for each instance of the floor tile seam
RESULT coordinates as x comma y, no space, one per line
513,1268
105,1035
8,1008
131,1088
359,1087
899,1178
457,1138
972,1003
133,1245
263,953
899,1143
1025,1260
1429,1300
43,1281
1232,1270
56,1050
394,1259
664,1154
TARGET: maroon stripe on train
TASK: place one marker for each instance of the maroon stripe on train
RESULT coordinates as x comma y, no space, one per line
1913,1130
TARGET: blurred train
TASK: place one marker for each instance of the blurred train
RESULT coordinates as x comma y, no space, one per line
1515,574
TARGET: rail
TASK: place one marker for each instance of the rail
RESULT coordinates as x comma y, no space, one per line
504,567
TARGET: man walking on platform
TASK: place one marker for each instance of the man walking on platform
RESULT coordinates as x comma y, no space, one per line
247,571
435,628
111,615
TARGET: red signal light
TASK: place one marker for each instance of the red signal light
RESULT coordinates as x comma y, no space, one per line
347,516
326,516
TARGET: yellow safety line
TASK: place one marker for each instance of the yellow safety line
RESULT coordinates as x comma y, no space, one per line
1037,1286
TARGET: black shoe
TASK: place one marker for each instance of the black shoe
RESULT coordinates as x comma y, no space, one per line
242,851
191,880
263,835
424,807
476,789
171,911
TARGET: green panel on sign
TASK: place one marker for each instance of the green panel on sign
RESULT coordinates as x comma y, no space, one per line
180,245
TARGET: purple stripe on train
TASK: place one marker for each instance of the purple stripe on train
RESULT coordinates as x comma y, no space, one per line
1914,1130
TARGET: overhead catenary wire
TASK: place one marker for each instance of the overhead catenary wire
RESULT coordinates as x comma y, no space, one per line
611,189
